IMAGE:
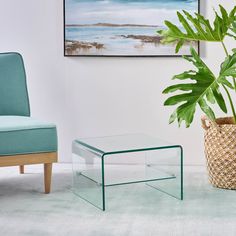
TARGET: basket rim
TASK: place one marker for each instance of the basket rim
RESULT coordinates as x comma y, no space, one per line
222,119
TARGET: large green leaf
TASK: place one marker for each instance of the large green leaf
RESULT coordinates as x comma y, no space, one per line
228,67
198,28
203,89
232,32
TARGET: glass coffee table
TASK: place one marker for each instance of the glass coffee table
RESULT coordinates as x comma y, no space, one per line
99,163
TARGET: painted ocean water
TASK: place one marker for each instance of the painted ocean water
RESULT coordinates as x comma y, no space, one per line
120,27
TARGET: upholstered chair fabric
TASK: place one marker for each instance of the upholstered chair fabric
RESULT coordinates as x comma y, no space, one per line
26,135
19,133
13,90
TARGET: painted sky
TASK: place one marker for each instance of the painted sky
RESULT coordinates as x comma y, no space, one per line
150,12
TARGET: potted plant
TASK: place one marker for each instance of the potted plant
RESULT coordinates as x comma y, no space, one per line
201,87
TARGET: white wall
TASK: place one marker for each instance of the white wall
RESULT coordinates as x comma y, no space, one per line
97,96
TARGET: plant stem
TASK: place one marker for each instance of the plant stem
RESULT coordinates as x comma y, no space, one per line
234,84
231,102
226,90
227,54
225,49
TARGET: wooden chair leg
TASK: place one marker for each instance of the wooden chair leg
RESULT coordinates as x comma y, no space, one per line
22,170
47,176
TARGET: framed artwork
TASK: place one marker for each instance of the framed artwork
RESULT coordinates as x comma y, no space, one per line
121,27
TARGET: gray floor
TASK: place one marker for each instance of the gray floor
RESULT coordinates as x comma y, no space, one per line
136,210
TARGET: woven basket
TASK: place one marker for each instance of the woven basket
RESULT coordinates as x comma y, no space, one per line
220,151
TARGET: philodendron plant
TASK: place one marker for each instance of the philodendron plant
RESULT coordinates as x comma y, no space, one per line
204,87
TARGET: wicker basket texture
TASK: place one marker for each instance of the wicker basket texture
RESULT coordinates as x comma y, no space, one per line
220,151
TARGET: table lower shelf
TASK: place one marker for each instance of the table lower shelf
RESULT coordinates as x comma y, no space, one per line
127,174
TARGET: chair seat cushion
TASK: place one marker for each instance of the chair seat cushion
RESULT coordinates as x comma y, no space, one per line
25,135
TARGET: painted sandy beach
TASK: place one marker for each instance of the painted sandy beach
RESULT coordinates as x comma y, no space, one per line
120,27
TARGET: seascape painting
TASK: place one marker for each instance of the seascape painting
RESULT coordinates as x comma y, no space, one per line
121,27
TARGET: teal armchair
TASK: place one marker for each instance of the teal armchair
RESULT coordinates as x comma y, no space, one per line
23,139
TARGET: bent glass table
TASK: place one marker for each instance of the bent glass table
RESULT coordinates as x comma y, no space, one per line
99,163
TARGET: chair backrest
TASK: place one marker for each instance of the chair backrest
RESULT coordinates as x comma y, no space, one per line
13,89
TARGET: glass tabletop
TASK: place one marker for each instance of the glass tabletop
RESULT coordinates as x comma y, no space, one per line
124,143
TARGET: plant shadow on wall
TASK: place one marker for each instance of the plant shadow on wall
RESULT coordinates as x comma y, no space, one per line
202,87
